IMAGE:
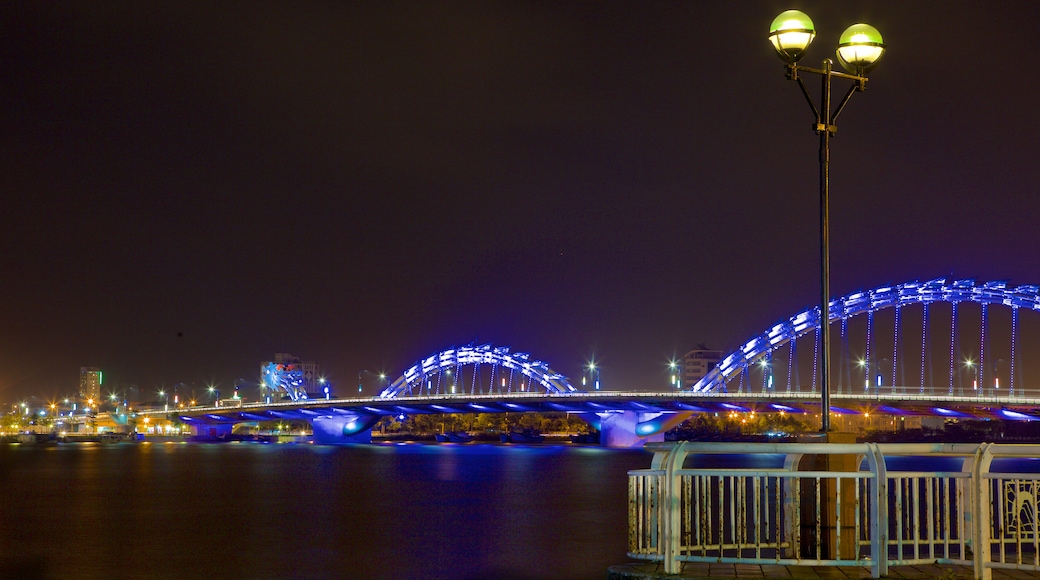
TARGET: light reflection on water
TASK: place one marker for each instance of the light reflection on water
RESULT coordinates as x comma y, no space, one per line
243,510
304,511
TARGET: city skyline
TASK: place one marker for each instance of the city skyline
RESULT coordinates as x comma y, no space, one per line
193,188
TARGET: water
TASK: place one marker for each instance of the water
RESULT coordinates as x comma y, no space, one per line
246,510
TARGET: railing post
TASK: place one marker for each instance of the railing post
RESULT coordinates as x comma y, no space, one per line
965,497
660,507
790,498
671,508
982,512
878,512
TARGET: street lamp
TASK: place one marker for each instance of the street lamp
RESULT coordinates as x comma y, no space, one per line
767,374
593,375
996,376
975,382
382,377
452,379
862,363
859,49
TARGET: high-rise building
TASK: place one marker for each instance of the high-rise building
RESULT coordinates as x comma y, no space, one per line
90,385
699,362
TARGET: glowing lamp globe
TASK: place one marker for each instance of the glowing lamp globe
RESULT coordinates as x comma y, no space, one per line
860,48
791,34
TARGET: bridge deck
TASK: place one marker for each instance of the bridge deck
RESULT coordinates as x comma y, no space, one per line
605,401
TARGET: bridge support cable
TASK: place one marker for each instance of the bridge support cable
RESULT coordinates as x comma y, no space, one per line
1014,335
815,358
791,364
924,342
844,370
866,364
953,347
982,354
895,346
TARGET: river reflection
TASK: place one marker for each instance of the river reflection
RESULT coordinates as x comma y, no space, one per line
247,510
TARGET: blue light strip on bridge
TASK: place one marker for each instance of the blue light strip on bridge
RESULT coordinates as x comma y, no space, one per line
994,292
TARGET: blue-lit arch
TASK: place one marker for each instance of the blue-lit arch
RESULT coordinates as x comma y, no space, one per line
840,309
411,382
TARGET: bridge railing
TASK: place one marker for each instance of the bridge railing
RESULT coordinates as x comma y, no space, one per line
793,512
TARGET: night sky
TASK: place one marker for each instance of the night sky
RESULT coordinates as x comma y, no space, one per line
191,187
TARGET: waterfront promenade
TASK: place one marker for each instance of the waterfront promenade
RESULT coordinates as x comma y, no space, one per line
713,571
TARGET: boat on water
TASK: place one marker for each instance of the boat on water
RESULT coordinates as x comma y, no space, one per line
524,436
38,438
585,438
453,437
113,437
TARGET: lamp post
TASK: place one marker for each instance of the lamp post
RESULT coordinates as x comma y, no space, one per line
996,376
859,49
593,374
382,377
879,380
975,375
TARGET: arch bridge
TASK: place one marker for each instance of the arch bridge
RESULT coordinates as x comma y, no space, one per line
468,379
952,349
948,339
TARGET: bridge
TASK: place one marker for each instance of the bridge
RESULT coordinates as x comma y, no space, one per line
958,338
961,339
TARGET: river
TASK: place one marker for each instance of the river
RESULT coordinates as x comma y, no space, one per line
258,511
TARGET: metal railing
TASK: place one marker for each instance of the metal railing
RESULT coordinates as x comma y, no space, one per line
837,504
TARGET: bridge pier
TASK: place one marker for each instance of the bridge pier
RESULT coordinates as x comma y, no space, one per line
211,431
343,429
630,429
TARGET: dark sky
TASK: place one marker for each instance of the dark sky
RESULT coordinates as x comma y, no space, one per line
191,187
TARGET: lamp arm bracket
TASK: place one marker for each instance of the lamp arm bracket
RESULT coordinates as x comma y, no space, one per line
792,72
848,95
860,84
808,99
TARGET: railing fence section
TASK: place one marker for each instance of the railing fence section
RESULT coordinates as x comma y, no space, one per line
867,514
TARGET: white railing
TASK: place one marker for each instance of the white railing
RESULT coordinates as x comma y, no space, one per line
836,504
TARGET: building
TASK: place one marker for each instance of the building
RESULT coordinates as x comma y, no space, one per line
287,375
699,362
90,385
